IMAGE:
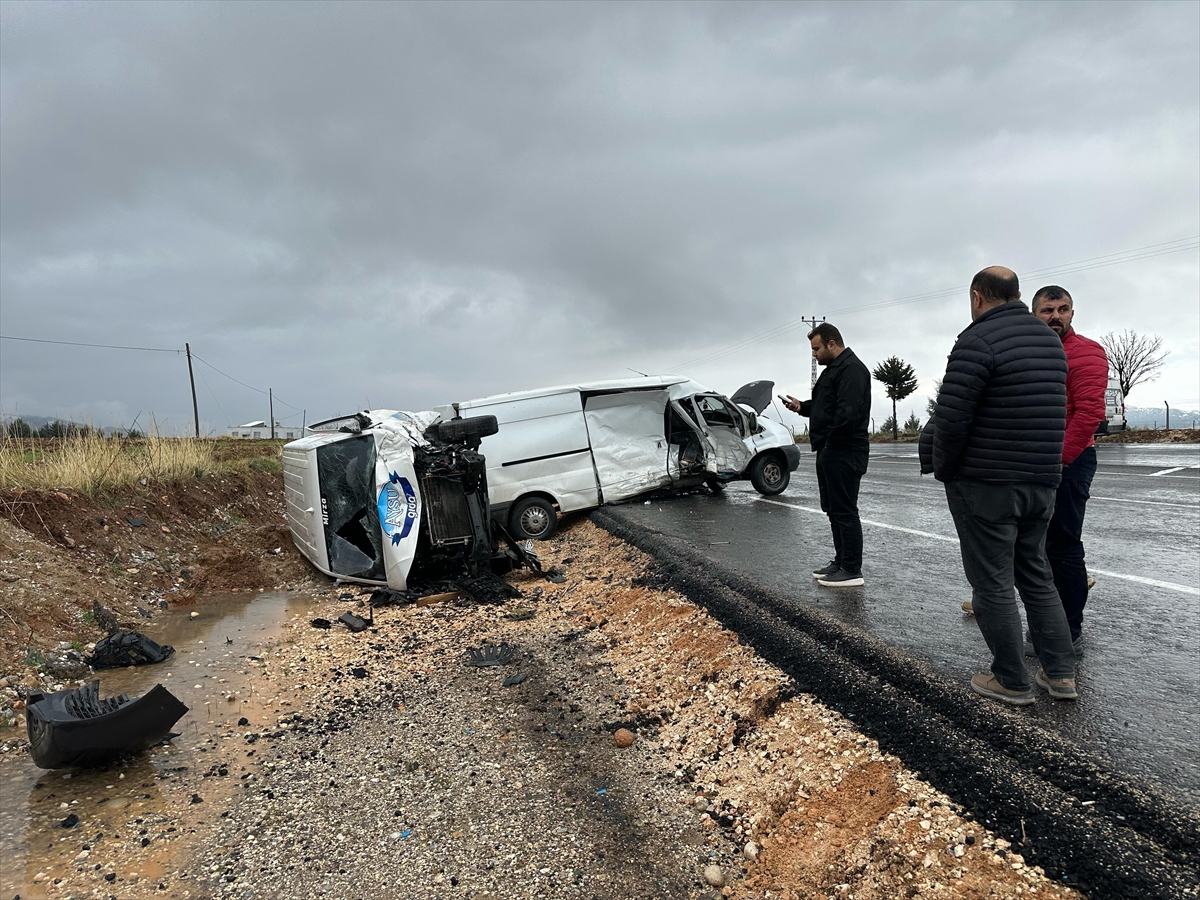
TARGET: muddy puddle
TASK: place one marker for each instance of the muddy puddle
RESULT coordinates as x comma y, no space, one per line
218,672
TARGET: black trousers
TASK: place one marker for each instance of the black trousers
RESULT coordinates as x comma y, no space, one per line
1064,538
1002,536
839,472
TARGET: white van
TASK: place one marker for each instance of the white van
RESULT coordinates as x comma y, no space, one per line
1114,408
575,447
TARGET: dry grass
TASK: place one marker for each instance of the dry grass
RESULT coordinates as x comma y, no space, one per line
92,464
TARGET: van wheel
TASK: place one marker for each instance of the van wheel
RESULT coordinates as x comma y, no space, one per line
467,431
769,474
533,517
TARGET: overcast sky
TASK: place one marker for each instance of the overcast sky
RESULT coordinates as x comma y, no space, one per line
406,204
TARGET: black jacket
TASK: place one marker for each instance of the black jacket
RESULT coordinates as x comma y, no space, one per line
840,409
1002,408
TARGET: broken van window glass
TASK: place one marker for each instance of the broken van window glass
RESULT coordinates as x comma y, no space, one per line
346,473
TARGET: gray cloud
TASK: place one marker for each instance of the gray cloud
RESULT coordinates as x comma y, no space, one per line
416,202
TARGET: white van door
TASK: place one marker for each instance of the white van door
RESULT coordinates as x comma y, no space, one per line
629,446
724,432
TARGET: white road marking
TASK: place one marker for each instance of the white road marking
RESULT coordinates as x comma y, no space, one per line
1169,471
1152,582
1195,506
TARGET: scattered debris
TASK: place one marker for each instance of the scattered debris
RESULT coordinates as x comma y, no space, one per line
492,655
520,615
514,680
128,648
135,523
356,623
69,822
321,623
77,728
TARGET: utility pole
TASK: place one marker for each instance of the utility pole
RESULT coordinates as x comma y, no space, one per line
1168,406
812,323
303,421
271,398
192,379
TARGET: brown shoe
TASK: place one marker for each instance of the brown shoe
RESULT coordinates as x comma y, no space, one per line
1059,688
987,686
968,607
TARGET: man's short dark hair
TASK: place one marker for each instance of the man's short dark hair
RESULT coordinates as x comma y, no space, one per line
1050,292
828,334
997,286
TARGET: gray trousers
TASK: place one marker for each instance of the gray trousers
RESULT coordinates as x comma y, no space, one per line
1002,533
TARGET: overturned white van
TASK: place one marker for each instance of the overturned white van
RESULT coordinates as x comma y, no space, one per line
573,447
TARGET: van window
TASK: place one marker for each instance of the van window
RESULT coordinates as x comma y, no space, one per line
346,472
718,411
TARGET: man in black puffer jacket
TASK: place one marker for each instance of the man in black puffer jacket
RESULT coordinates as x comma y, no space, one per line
997,445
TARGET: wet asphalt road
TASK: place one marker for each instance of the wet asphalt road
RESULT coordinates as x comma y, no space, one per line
1140,674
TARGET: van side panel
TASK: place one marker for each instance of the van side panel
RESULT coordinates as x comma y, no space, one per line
541,447
629,444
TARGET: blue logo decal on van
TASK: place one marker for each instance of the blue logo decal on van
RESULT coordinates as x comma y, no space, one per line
397,508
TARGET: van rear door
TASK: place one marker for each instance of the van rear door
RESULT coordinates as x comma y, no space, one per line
629,446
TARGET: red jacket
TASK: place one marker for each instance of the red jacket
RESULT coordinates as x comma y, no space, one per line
1087,380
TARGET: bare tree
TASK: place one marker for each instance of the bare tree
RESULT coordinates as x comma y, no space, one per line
1136,358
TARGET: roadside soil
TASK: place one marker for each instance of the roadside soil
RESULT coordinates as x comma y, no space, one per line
384,764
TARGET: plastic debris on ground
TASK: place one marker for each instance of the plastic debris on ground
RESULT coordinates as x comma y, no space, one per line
128,648
77,728
492,655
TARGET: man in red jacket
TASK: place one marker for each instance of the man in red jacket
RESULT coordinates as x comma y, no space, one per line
1087,379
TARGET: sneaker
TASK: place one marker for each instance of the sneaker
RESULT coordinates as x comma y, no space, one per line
830,569
841,578
968,607
987,686
1059,688
1091,582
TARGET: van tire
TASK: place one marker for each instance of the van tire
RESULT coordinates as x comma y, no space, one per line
533,518
468,431
769,474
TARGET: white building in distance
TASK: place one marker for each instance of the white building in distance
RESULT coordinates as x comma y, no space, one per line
262,431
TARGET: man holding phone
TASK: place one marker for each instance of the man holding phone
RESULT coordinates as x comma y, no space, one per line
839,414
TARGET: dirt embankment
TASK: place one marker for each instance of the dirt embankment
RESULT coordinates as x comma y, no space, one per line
62,550
1152,436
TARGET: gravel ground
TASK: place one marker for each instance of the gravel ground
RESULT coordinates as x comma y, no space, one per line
383,764
416,773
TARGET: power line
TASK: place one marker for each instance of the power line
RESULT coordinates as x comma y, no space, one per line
8,337
1096,262
242,383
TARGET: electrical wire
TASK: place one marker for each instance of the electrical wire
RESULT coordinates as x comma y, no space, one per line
9,337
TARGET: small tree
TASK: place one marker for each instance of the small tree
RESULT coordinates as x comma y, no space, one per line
1134,357
19,428
931,403
913,425
900,379
889,424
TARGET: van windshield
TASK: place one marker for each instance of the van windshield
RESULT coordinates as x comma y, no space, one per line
346,474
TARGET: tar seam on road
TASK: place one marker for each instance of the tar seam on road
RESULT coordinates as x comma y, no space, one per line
1151,582
1013,776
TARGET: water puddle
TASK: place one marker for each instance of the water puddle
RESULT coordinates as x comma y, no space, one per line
217,671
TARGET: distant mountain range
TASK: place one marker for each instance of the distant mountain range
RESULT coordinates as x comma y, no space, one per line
1156,417
36,422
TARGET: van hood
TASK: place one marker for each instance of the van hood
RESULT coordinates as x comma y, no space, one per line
756,395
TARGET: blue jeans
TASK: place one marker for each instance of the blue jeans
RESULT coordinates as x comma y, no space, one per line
1064,539
1002,534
